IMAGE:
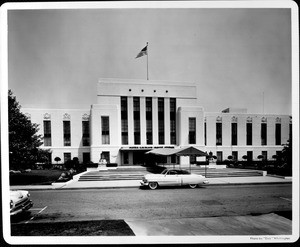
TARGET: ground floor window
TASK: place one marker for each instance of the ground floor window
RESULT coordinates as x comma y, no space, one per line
192,159
235,155
86,157
67,156
265,155
219,156
125,158
249,155
106,156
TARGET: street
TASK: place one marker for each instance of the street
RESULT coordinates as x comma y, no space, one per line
164,203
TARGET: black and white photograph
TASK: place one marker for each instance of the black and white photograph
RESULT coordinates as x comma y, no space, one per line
171,122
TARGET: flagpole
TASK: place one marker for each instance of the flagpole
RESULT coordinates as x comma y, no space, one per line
147,62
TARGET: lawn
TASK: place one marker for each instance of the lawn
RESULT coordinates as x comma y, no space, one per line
83,228
34,177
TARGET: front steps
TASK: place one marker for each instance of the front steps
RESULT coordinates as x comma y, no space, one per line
138,172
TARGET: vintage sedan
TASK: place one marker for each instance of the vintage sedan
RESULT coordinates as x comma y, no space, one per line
173,177
19,201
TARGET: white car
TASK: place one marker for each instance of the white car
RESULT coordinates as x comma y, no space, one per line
173,177
19,201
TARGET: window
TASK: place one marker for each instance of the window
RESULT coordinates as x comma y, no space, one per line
235,155
219,156
193,159
219,134
192,130
173,121
173,131
105,130
161,121
249,134
124,104
233,134
85,133
67,133
124,121
47,133
265,155
124,131
249,155
149,131
136,104
106,156
149,135
137,132
125,158
67,156
136,120
263,134
278,134
86,157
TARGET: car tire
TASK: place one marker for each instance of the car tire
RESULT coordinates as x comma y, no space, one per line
153,185
193,186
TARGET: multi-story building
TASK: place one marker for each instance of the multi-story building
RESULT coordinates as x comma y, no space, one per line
132,117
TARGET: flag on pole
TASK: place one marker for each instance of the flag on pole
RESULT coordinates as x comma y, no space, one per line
143,52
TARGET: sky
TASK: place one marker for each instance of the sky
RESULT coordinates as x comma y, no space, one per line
236,57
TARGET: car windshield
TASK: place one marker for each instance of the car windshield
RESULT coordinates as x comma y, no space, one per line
164,171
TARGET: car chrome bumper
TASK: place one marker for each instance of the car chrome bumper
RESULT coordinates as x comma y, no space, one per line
144,183
205,182
21,208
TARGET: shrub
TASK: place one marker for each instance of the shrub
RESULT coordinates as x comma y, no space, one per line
111,165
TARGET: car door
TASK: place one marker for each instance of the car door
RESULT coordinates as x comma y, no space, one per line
171,178
186,178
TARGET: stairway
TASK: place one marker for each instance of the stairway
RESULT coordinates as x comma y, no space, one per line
137,173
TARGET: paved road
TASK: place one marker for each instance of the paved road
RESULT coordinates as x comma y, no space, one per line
167,203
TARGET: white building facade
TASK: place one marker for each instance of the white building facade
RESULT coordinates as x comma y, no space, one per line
132,117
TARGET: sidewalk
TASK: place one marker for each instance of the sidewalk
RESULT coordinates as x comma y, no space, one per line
265,224
74,184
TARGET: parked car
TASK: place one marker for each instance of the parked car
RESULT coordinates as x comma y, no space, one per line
19,201
173,177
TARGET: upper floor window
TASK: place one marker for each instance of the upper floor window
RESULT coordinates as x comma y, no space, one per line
192,130
278,134
47,133
173,120
67,133
263,134
85,133
218,133
161,121
136,104
249,133
105,129
233,133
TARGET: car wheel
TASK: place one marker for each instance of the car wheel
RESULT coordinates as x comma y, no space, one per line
153,185
193,186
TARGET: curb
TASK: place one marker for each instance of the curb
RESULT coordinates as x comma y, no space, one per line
127,186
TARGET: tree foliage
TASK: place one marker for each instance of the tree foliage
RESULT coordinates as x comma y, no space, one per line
287,155
24,142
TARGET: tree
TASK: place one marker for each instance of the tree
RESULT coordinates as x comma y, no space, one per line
24,142
287,155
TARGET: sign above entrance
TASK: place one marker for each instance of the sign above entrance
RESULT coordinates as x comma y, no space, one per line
143,147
